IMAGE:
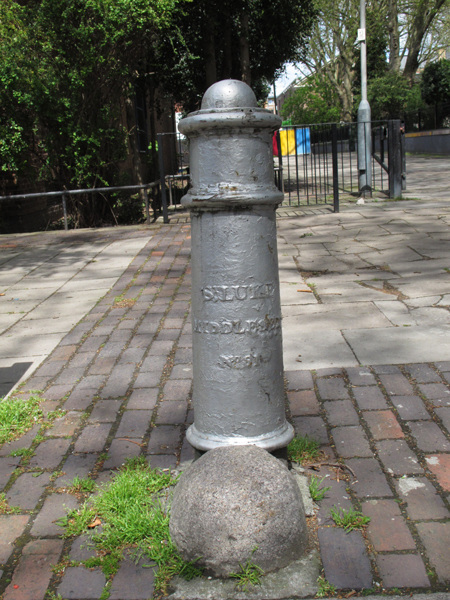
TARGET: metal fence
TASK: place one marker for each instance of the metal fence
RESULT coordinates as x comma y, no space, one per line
65,194
318,164
173,171
428,118
173,153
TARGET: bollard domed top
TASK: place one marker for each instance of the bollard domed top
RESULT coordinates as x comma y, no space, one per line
229,93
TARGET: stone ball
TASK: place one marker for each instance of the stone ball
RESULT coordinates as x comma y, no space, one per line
229,93
237,503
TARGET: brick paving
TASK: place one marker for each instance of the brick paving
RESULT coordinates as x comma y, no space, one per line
124,376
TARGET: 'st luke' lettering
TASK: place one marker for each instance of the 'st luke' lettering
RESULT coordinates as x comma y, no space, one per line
231,293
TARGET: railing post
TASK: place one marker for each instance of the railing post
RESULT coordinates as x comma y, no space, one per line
147,208
334,154
403,155
395,159
162,177
64,204
238,391
280,161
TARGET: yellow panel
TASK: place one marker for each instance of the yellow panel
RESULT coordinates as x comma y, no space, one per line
287,141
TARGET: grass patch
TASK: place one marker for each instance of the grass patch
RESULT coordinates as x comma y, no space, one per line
349,519
81,485
317,492
26,453
133,511
303,450
17,416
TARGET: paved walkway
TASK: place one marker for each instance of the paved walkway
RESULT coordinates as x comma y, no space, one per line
365,299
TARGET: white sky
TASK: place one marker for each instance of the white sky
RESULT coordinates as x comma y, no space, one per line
292,72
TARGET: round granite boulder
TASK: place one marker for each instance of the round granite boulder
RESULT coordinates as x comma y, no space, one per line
237,503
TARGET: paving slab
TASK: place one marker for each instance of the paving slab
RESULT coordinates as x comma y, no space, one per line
359,381
399,345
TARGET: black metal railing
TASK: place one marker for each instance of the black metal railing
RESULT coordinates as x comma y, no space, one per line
428,118
318,163
173,153
174,171
65,194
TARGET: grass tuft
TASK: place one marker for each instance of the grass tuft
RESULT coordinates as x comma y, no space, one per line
349,519
17,416
5,509
317,492
325,588
249,575
81,485
303,449
133,512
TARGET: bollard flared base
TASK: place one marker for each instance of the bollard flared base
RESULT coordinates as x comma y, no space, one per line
274,440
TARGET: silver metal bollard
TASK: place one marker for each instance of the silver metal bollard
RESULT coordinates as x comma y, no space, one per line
236,314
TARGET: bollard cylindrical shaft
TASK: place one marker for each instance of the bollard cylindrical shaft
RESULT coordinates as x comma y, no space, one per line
238,389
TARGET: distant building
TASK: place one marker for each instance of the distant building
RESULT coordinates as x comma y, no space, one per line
283,96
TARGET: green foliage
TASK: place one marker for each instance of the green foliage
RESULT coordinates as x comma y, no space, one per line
70,68
249,574
24,452
211,38
133,510
303,449
435,82
66,68
349,519
325,588
108,562
317,492
128,209
390,96
314,101
82,485
17,416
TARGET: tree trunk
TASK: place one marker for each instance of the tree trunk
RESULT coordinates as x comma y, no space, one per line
245,50
209,47
394,37
426,13
134,148
227,69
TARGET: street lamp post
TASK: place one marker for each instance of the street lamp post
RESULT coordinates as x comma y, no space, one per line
364,116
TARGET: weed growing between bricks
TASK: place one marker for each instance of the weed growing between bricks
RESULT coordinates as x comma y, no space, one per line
399,431
130,512
18,416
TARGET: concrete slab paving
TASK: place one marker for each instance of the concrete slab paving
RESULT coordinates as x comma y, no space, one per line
117,360
399,345
310,318
41,299
316,350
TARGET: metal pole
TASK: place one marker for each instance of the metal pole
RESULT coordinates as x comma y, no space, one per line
238,391
147,209
162,177
275,98
64,203
395,159
334,154
364,115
